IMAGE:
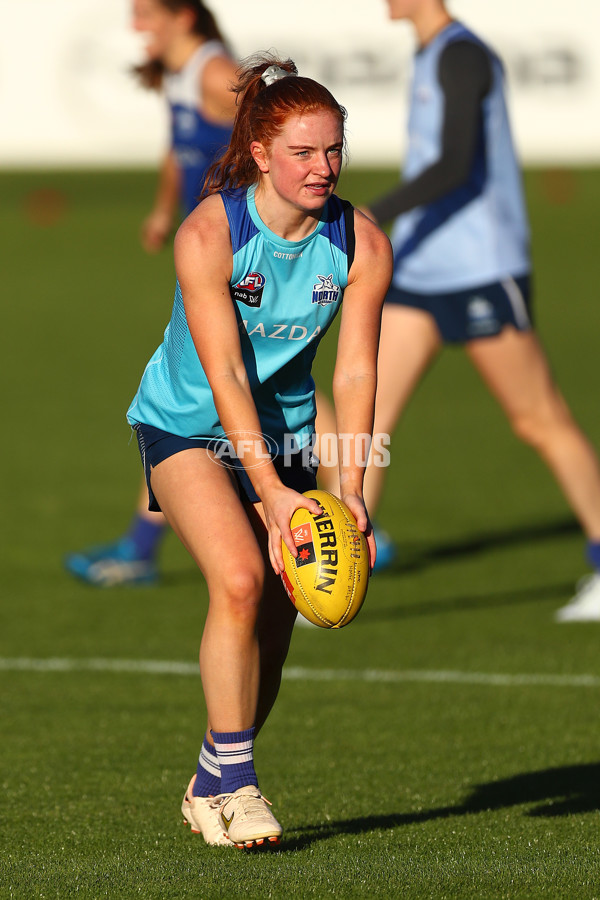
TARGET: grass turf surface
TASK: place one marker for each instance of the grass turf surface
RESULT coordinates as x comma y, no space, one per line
385,788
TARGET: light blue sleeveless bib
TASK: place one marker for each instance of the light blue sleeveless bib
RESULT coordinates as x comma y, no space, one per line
478,233
286,294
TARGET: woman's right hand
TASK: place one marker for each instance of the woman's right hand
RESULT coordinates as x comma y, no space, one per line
155,231
279,504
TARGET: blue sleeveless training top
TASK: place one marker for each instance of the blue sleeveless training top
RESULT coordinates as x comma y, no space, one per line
477,233
196,140
286,295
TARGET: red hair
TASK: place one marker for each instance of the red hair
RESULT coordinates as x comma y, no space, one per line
262,112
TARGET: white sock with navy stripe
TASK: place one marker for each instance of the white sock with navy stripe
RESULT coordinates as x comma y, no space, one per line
208,773
235,753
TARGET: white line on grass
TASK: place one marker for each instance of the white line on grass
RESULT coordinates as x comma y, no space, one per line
298,673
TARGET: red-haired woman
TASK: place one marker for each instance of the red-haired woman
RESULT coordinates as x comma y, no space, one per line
225,410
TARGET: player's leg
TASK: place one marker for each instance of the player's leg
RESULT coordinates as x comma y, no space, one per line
274,629
275,625
129,560
277,613
201,503
515,368
147,528
409,342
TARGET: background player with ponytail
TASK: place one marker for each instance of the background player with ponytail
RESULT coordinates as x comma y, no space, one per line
187,59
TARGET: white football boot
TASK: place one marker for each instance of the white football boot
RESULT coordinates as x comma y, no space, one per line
585,605
247,819
203,816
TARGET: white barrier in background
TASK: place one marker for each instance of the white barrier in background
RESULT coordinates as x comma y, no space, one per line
67,98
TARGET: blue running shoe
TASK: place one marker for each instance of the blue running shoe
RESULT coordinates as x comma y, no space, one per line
386,550
110,565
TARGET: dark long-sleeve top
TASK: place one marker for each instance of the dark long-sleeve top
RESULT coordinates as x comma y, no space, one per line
465,77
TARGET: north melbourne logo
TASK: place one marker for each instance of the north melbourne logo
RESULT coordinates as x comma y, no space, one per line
325,292
481,317
480,308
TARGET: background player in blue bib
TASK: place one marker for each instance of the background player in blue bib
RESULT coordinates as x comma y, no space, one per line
188,60
462,265
263,265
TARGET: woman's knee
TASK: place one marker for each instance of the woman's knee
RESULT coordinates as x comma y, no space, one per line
540,425
239,588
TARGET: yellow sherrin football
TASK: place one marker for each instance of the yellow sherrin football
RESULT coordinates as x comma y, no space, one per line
327,581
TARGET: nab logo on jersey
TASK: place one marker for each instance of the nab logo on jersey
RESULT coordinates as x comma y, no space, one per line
325,292
250,289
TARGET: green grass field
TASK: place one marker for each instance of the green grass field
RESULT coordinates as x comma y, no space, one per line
444,745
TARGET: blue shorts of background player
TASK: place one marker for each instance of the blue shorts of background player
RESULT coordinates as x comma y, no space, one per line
477,312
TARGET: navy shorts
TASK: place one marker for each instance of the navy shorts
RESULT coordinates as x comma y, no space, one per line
478,312
296,470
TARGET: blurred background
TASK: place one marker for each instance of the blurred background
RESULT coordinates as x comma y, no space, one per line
67,99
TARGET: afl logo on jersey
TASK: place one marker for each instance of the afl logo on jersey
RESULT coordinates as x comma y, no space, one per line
250,289
325,292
